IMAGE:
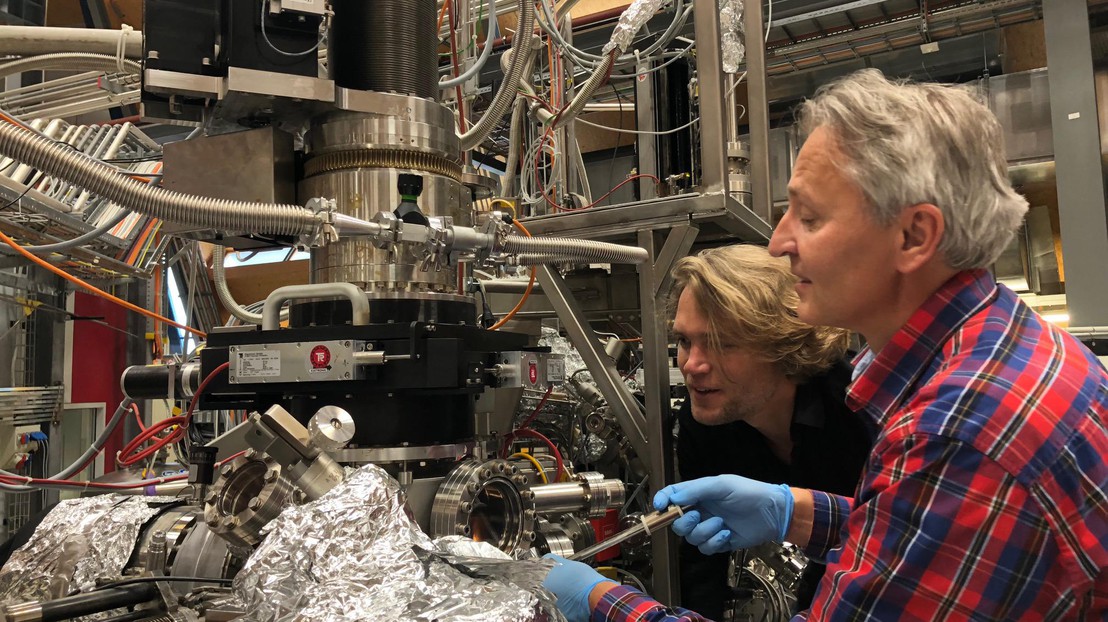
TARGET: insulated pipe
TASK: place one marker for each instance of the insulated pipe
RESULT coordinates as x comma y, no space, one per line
69,61
570,249
219,276
27,40
506,94
281,295
99,178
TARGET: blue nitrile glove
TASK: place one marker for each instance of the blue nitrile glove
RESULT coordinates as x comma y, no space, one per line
730,512
572,582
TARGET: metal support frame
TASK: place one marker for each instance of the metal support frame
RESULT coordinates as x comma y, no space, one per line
709,75
603,370
757,111
1077,157
644,122
654,286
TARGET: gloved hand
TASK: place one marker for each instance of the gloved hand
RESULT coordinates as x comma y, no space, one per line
571,582
730,513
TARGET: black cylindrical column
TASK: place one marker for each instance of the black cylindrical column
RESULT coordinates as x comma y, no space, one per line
385,45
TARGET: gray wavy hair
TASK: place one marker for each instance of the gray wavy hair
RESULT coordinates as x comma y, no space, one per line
911,143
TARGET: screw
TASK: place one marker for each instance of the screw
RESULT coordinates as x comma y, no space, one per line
271,475
254,504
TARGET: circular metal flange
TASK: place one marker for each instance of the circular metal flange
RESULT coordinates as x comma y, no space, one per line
331,428
249,492
553,539
579,530
487,501
600,493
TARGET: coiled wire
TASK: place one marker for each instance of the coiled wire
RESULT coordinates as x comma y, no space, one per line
242,216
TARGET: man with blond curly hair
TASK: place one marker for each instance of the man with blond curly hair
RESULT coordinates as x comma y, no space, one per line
766,395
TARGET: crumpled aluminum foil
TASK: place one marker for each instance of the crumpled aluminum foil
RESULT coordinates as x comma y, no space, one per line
78,542
355,554
560,345
630,22
732,34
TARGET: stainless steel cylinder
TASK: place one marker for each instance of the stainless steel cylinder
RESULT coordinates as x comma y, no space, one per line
591,493
489,501
565,497
356,157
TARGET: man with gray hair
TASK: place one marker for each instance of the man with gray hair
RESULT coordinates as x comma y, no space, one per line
986,493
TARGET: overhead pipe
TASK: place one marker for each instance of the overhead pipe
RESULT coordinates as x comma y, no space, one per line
30,40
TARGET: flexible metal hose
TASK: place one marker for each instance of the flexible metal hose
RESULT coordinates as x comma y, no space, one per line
61,161
568,249
506,94
595,81
70,61
219,276
508,179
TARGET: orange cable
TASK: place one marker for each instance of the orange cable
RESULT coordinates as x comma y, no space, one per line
526,292
94,290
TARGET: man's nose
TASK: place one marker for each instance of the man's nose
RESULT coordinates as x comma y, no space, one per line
783,243
696,362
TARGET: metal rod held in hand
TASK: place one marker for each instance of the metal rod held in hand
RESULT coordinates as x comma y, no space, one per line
648,524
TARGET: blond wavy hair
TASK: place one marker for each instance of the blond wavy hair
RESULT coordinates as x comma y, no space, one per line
749,300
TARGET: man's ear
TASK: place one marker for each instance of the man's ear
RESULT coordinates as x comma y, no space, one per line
921,228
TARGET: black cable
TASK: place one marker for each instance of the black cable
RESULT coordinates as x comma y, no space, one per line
615,149
16,199
133,580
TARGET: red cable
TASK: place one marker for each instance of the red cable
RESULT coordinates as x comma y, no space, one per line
534,413
138,417
22,481
609,193
559,466
132,454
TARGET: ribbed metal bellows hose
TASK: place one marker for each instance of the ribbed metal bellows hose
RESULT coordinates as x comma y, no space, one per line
61,161
219,277
548,250
70,61
506,94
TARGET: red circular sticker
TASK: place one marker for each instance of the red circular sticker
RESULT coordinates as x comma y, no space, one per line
320,357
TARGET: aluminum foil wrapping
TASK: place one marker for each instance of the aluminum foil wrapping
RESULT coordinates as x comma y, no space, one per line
560,345
78,542
630,22
355,554
732,34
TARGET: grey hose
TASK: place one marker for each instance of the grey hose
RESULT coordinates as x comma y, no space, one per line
506,94
574,250
74,468
75,242
598,78
219,276
485,53
507,181
69,61
99,178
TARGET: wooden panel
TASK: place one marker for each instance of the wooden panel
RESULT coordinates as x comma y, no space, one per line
1024,47
595,139
249,284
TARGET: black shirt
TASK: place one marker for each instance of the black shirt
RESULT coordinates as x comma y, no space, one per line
830,447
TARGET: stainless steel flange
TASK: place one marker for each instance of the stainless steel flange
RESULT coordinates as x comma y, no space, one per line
487,501
249,492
